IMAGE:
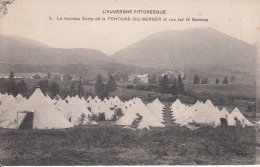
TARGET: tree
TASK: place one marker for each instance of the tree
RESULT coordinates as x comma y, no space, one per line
22,88
136,80
89,93
80,88
225,81
196,79
174,87
44,86
119,76
251,108
111,84
11,76
3,85
205,80
64,92
185,76
100,88
118,114
36,76
180,88
72,89
232,78
217,81
54,89
49,75
11,87
163,85
82,119
68,77
152,79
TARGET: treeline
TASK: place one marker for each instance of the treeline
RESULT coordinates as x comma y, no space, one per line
166,85
14,88
205,80
11,87
174,87
102,90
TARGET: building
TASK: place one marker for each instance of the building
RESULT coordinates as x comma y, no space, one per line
140,78
143,78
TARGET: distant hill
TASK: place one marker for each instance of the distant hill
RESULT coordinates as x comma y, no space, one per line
199,48
18,50
202,51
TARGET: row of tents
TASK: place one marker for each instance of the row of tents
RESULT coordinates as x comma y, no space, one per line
42,112
46,113
206,114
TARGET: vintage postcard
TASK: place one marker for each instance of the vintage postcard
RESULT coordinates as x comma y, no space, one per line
129,82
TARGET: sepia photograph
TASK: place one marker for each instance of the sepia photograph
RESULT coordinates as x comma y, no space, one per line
129,82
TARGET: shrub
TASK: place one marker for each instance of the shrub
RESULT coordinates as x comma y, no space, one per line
130,87
251,108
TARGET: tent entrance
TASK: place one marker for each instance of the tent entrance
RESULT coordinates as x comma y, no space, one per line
27,122
102,116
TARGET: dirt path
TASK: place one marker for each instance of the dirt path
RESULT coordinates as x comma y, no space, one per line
167,116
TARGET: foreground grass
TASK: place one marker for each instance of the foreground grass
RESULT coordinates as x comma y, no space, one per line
112,145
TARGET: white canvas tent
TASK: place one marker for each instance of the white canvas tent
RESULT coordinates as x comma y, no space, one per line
224,113
45,116
148,118
156,109
8,112
237,114
89,98
75,112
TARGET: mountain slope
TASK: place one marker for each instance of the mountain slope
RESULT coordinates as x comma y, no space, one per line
200,48
17,50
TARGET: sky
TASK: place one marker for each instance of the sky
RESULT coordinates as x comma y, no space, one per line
30,18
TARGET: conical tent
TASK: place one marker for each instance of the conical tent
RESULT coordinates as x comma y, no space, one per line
159,103
124,107
107,111
224,113
178,108
176,105
8,111
9,100
97,107
68,97
156,110
19,96
197,103
207,114
138,108
188,121
182,114
45,116
115,101
97,100
57,103
82,98
105,99
75,112
3,97
49,98
89,98
127,119
237,114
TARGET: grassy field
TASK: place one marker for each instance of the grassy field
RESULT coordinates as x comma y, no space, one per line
231,90
112,145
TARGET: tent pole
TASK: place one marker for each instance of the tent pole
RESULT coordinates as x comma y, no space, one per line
17,119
